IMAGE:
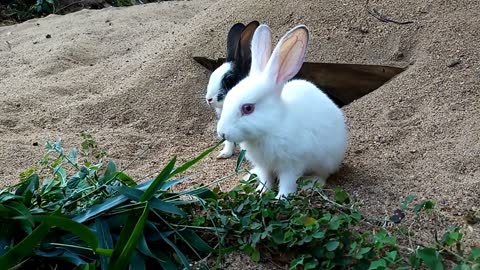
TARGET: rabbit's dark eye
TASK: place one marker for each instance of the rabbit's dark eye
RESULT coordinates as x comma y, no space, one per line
228,81
248,108
221,95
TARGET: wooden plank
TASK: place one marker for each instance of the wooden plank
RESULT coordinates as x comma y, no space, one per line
343,83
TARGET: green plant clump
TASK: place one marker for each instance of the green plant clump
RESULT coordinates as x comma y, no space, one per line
22,10
76,210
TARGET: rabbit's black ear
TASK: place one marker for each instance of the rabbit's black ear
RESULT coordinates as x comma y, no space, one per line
243,57
233,40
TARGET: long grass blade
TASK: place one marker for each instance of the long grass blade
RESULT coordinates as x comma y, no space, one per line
105,239
131,193
80,230
166,207
192,162
158,181
128,240
181,256
240,160
24,248
195,240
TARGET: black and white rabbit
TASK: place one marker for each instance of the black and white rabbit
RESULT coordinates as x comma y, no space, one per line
235,68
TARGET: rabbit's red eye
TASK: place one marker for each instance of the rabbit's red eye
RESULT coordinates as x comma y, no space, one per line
248,108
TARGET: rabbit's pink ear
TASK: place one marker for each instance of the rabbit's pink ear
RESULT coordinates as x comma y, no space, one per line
289,54
261,48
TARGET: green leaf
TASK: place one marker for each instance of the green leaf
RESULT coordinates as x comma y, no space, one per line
392,255
24,215
202,193
7,196
157,182
380,264
335,222
318,234
89,266
104,237
100,208
181,256
131,193
431,257
463,267
143,245
137,262
240,160
308,221
341,196
25,247
110,173
166,262
255,255
168,184
475,253
80,230
166,207
129,237
195,241
407,201
310,265
452,236
298,261
332,245
424,205
60,173
192,162
75,180
73,156
27,188
106,205
362,252
126,179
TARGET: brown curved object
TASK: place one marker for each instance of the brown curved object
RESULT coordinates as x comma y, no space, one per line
343,83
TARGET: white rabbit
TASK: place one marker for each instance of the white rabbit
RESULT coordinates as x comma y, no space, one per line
289,129
235,68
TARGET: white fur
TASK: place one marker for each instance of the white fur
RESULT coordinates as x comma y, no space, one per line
214,85
295,129
213,88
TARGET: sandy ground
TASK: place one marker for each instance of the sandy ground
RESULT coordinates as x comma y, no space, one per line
126,76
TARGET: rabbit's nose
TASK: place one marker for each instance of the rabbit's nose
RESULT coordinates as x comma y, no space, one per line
222,135
209,100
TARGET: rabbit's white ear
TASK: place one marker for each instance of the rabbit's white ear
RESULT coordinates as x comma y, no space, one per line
289,54
261,48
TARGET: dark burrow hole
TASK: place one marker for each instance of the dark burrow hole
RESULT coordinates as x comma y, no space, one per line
343,83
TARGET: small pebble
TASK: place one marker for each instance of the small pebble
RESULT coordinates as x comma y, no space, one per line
363,30
35,144
398,55
453,63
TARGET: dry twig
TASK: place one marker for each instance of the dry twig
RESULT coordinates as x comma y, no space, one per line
372,11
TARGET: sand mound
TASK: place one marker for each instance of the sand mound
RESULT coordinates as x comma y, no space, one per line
126,76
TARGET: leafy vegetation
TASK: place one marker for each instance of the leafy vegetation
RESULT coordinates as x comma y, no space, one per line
76,210
22,10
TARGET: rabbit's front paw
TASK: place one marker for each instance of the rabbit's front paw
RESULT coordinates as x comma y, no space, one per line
227,150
